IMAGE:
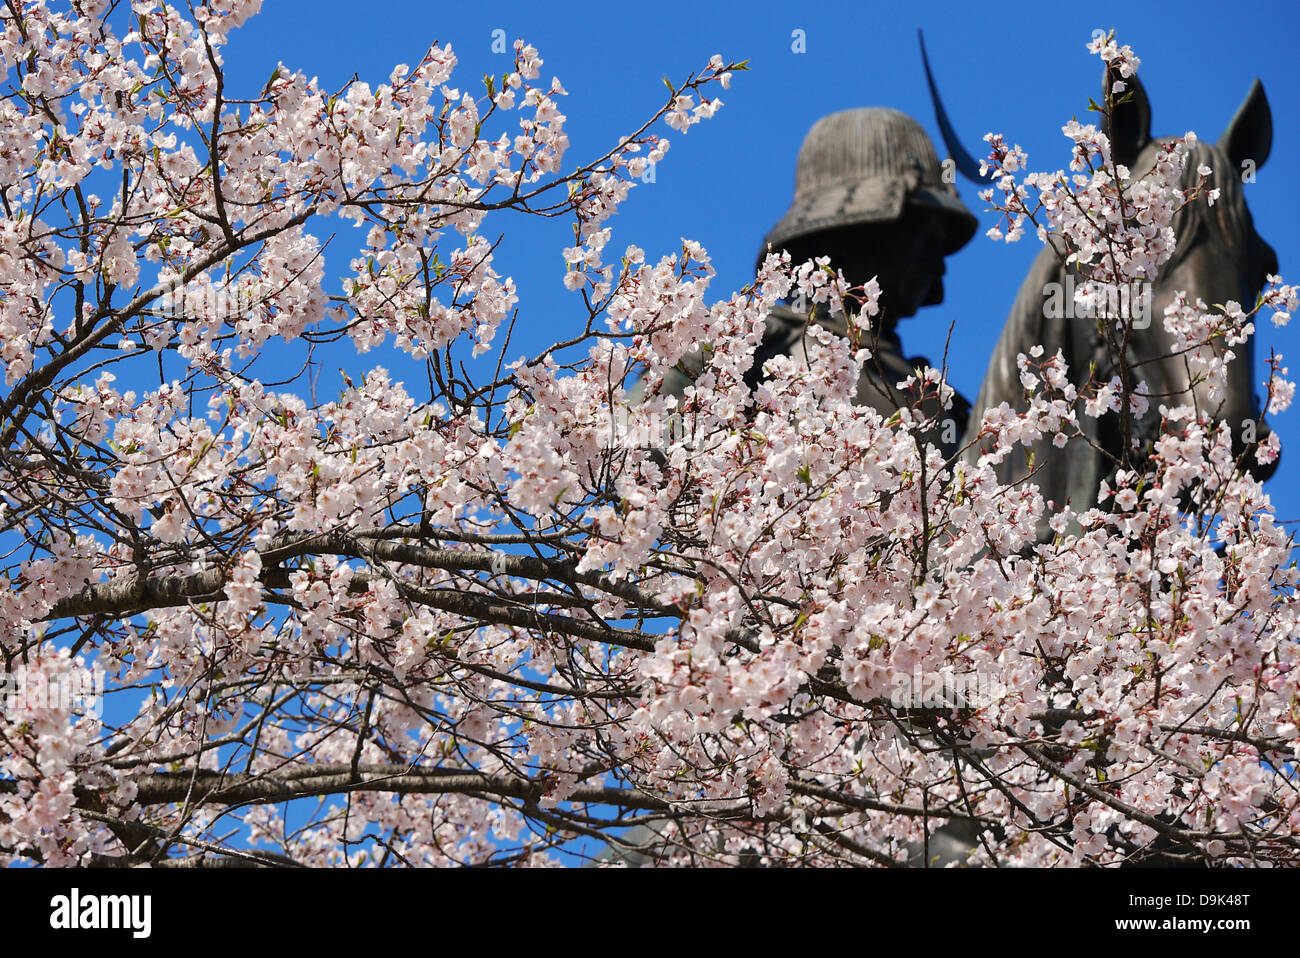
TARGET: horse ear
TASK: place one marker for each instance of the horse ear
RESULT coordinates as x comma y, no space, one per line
1129,125
1250,134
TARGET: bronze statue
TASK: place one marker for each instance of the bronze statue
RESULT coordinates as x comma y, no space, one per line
1219,258
870,194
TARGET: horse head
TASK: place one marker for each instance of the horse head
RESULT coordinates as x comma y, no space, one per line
1219,257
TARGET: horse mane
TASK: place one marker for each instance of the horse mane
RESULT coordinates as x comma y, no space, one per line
1229,219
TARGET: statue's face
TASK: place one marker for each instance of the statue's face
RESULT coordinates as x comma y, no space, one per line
906,257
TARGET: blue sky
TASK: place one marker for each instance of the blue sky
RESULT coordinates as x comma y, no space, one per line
1017,69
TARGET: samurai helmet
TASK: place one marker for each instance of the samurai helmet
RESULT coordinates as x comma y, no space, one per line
865,166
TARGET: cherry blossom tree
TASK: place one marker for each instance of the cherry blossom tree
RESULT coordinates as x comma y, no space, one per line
499,617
